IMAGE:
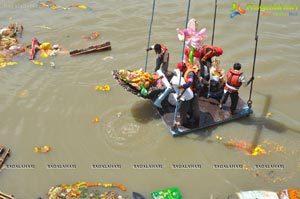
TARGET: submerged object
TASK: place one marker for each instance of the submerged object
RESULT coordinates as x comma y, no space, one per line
95,48
92,36
136,195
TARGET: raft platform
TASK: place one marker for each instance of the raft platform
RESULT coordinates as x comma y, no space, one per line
210,113
4,153
6,196
95,48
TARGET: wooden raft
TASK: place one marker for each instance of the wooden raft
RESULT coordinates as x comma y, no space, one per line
210,113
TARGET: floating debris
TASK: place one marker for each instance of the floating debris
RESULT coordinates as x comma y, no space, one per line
52,5
243,145
96,48
6,196
42,149
38,62
218,137
4,153
79,6
107,58
5,64
102,88
81,190
171,193
24,93
269,114
258,151
44,27
92,36
96,120
52,64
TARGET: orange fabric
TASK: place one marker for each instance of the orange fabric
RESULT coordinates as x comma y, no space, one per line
233,78
294,193
211,53
185,76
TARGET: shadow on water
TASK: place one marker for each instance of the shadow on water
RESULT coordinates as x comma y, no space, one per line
143,111
268,123
264,122
261,123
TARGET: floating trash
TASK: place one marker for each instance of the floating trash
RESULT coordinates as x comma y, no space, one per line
81,190
102,88
92,36
245,146
52,64
258,151
80,6
108,58
44,27
38,62
42,149
52,5
269,114
96,120
171,193
4,64
218,137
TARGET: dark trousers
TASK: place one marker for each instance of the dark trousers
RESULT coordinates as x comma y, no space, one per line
184,108
195,111
234,96
164,66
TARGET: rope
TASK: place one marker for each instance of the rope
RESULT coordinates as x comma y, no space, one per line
213,33
255,50
150,28
182,57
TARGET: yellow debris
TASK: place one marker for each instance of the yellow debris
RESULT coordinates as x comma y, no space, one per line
219,137
103,88
96,120
258,151
269,114
4,64
38,62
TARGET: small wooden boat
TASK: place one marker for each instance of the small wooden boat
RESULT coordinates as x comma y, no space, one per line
6,196
95,48
4,153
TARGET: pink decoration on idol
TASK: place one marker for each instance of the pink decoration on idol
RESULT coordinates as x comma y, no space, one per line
191,36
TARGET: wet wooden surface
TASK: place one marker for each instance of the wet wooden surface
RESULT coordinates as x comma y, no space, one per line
210,115
4,153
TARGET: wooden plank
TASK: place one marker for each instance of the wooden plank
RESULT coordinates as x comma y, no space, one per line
210,115
4,153
6,196
96,48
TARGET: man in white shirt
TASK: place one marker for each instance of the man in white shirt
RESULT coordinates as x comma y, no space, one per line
185,98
